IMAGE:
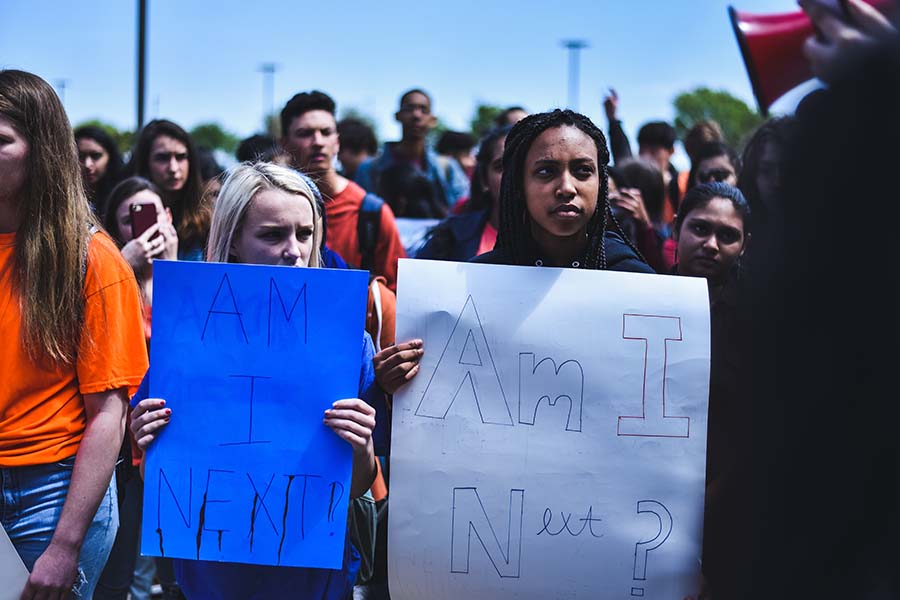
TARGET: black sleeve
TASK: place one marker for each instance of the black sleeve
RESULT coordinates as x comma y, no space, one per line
618,142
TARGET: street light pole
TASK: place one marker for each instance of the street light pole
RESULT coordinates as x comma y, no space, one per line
574,46
268,70
141,60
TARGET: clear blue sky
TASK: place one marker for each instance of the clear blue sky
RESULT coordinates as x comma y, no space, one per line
203,57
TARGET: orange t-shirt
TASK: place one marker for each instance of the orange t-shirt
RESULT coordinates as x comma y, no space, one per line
342,214
42,416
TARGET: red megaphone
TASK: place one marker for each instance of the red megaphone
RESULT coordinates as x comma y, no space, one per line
772,47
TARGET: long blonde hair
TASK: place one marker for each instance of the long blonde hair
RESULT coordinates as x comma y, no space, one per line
54,220
242,183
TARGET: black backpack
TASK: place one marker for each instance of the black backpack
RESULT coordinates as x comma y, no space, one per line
367,228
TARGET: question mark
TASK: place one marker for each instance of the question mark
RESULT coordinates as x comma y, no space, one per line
333,503
641,549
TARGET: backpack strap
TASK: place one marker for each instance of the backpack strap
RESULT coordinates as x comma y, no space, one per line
367,228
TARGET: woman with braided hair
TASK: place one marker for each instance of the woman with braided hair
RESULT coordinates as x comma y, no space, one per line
554,212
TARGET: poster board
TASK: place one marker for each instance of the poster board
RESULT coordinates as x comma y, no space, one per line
248,358
13,574
553,444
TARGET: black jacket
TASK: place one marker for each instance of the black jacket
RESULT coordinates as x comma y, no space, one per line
455,238
619,257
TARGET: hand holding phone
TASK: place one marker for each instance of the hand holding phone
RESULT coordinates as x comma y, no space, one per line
143,216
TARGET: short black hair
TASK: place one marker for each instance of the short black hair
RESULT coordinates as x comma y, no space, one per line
454,142
357,136
502,120
303,103
256,147
712,150
657,133
414,91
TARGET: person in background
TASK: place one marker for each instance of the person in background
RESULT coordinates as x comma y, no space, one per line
358,144
458,145
510,116
714,161
158,241
702,132
554,211
73,349
409,193
473,231
165,154
637,197
656,142
256,147
416,120
252,196
761,176
101,163
712,236
360,227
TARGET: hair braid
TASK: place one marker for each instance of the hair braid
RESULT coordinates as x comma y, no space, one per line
514,235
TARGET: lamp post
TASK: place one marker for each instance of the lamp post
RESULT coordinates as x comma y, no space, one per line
268,70
141,60
574,47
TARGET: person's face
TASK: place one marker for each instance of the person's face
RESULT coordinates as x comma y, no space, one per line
717,168
123,213
351,160
277,230
94,159
562,182
657,154
13,160
415,116
312,141
495,170
710,240
169,164
768,175
466,160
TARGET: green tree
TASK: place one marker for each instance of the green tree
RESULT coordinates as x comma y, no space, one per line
483,120
212,135
737,119
123,138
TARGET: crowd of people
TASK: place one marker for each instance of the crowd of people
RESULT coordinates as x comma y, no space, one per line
801,496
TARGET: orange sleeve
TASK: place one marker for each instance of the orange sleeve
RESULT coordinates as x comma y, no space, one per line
112,352
389,248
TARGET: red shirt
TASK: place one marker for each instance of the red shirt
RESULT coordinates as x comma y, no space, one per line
342,214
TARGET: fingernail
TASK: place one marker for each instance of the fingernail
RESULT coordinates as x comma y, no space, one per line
168,411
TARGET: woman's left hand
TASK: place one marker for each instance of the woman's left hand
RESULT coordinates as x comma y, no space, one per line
353,420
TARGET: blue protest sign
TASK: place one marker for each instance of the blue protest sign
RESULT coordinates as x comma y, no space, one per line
248,358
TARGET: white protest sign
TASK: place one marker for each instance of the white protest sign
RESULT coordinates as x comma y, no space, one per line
413,233
13,574
553,444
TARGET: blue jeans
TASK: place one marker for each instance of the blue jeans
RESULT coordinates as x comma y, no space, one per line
31,502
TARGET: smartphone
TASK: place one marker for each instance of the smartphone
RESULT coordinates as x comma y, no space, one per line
143,216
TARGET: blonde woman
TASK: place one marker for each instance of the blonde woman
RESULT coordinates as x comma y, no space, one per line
267,215
73,349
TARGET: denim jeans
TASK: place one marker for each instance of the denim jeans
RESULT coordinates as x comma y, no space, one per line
31,502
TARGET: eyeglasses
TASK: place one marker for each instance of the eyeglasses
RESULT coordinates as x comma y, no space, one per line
714,175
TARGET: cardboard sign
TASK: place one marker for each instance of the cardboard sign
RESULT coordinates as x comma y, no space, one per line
553,444
248,358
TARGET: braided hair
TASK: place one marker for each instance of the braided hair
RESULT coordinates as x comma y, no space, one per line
514,235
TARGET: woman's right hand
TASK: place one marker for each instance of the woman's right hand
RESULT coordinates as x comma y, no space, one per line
147,421
397,364
141,251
